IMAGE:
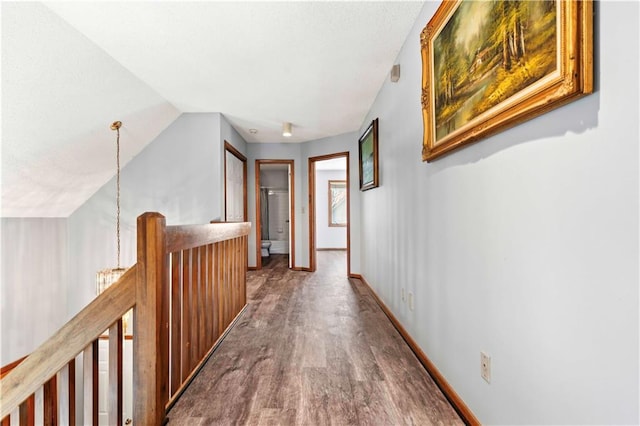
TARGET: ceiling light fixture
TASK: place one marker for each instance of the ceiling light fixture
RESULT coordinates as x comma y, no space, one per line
106,277
286,129
253,131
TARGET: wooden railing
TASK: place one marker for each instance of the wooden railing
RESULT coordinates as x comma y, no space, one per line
187,286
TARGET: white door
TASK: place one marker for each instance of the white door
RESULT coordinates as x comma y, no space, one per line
234,188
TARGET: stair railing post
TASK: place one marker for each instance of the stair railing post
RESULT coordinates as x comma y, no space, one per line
151,322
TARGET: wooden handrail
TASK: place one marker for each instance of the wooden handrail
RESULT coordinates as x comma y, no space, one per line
68,342
213,259
6,369
189,236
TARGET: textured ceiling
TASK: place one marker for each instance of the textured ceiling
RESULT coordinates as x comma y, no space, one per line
70,68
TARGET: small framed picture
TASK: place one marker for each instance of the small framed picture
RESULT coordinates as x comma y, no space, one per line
368,157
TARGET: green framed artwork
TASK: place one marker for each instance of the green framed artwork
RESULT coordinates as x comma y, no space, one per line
368,157
489,65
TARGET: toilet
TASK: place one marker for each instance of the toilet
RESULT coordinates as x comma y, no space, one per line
264,248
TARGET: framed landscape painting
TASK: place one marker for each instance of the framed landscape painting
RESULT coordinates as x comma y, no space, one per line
489,65
368,157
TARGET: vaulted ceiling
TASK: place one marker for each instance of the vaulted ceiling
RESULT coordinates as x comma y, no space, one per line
71,68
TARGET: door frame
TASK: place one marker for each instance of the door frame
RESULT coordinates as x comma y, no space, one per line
312,208
230,148
292,219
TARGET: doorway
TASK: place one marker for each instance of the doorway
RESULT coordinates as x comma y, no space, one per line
275,220
235,184
337,196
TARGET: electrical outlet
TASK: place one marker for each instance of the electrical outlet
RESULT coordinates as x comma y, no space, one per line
411,301
402,295
485,367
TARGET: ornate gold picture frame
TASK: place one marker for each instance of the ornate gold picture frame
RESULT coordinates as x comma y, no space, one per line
489,65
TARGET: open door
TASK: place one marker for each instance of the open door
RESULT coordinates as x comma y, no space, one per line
275,207
235,184
313,203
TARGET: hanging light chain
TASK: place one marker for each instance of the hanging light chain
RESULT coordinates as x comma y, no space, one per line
116,126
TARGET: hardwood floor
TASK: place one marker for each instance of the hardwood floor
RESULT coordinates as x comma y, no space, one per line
312,349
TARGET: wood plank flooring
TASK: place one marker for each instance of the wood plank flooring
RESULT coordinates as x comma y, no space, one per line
312,349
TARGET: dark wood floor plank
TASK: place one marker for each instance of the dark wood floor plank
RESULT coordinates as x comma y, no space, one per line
274,417
370,401
312,349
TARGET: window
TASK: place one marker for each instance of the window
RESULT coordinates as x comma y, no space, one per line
337,203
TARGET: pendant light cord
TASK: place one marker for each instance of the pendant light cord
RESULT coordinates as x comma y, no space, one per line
118,192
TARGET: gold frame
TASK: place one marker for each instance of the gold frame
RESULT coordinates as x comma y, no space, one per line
573,78
330,216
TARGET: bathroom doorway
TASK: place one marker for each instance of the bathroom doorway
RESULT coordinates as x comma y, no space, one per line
275,223
329,206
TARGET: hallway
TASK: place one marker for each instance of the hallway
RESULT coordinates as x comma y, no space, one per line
312,349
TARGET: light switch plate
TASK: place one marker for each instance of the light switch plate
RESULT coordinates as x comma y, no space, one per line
485,367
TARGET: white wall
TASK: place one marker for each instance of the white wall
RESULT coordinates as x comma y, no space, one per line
178,175
524,245
33,290
275,179
75,98
327,236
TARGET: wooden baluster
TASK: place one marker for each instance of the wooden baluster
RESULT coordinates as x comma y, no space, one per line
90,379
237,267
186,316
228,286
195,299
115,373
234,278
204,279
232,275
50,402
216,287
201,304
210,300
164,328
237,264
223,285
225,282
193,312
220,267
6,421
28,412
245,267
71,375
176,321
151,345
229,270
